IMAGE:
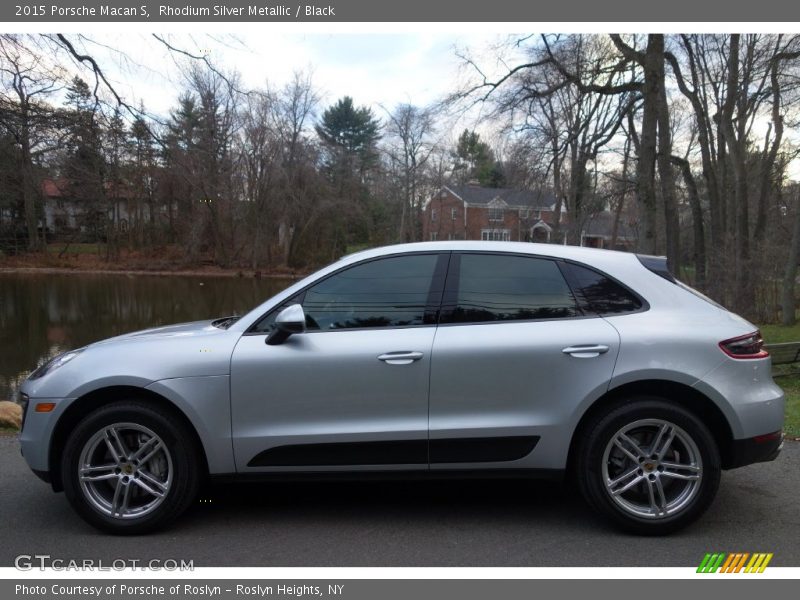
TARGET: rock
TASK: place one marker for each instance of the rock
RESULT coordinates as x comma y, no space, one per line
10,414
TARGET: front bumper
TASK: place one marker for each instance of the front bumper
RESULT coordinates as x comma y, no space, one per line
37,432
43,475
762,448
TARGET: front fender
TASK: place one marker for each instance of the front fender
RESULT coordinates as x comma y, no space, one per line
206,403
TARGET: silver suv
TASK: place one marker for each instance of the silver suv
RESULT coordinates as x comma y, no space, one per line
441,357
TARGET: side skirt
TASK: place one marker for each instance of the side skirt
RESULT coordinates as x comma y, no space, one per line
556,475
398,452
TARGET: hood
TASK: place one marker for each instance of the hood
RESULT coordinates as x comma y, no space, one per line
193,329
197,349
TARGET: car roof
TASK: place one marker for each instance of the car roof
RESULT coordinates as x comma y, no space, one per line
578,253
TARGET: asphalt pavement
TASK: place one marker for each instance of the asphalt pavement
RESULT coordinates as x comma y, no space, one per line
418,523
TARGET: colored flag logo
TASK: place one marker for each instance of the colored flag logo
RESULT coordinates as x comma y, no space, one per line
736,562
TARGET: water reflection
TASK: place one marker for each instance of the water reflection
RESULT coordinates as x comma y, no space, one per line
43,315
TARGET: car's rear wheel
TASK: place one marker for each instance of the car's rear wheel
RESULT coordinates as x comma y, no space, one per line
648,465
130,467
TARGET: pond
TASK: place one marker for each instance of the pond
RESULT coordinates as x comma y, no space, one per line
42,315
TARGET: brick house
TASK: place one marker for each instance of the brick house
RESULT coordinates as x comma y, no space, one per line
64,213
61,213
598,232
472,212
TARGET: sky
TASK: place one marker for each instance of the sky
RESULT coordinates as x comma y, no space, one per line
375,69
379,69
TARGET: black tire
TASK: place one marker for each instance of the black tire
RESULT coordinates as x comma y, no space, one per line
644,415
179,461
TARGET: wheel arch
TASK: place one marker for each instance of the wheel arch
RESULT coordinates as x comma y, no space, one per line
685,396
83,405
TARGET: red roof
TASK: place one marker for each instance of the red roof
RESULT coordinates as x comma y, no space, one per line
59,188
54,188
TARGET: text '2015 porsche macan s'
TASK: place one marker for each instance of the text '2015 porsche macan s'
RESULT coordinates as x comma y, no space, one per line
442,358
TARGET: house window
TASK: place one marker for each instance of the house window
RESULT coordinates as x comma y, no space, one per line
527,213
434,214
496,214
434,236
453,213
495,235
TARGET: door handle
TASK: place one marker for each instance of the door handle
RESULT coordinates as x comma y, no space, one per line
400,358
586,350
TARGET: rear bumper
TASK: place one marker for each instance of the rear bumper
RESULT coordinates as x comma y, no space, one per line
763,448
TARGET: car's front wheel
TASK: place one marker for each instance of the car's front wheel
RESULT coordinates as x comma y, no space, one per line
130,467
650,466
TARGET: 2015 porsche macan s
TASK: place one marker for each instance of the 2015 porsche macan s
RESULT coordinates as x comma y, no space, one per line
436,358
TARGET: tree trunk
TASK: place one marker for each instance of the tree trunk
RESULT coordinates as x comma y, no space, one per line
697,222
788,306
672,229
743,292
578,188
647,143
711,175
29,191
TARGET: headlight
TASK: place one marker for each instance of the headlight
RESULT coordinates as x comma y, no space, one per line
55,363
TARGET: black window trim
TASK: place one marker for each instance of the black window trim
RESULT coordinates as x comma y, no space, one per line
568,276
450,296
440,271
657,265
449,268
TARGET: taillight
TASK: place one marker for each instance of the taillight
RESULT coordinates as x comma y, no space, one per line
745,346
768,437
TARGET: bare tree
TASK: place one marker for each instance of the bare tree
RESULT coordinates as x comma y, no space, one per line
410,130
735,83
24,114
579,90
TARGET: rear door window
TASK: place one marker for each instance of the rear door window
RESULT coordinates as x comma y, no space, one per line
504,287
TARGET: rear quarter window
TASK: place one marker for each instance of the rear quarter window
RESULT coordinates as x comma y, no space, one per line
599,294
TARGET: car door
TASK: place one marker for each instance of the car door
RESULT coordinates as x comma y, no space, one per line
514,357
352,391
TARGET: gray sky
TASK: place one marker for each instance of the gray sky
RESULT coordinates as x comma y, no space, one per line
377,69
374,69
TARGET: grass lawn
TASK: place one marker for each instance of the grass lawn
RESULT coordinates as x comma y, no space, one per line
8,430
791,385
73,248
775,334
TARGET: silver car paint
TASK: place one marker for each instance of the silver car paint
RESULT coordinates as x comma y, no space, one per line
348,395
196,352
675,340
496,379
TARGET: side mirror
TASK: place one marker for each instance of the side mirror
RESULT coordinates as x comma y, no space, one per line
289,321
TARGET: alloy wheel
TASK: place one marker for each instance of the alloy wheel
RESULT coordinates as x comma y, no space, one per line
125,470
652,469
